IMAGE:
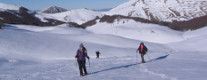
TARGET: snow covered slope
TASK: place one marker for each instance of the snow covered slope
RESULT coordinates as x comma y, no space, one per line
4,6
195,40
51,43
138,31
163,10
79,15
47,53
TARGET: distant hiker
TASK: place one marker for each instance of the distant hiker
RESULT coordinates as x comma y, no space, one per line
142,50
81,55
97,54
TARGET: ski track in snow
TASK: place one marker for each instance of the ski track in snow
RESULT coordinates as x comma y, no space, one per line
164,76
60,70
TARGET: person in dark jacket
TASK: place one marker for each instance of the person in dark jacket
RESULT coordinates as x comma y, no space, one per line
81,55
142,50
97,54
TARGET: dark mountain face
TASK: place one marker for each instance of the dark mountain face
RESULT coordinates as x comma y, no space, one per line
1,24
24,16
54,9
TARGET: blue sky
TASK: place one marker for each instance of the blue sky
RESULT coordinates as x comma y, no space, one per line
68,4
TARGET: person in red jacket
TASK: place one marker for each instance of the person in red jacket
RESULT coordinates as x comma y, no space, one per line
142,50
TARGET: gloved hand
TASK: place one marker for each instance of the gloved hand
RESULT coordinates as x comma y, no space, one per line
137,51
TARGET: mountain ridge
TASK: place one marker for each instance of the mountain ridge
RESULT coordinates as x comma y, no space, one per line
162,10
133,10
4,6
54,9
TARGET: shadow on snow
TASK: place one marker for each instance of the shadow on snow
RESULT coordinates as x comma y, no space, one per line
11,27
126,66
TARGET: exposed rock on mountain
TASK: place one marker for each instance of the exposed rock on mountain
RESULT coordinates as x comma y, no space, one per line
162,10
54,9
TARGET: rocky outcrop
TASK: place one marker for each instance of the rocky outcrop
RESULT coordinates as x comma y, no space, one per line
24,16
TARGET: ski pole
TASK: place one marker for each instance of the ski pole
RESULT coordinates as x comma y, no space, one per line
136,57
76,63
149,57
89,63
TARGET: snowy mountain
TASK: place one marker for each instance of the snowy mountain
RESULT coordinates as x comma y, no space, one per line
26,17
48,53
54,9
4,6
162,10
78,16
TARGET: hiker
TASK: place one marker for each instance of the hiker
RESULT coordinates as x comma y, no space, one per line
97,54
142,50
81,55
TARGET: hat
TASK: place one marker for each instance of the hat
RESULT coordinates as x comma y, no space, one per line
81,45
142,43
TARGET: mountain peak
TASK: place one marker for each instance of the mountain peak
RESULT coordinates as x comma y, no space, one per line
54,9
8,7
162,10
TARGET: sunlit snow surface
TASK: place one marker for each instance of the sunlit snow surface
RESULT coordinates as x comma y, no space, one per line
47,53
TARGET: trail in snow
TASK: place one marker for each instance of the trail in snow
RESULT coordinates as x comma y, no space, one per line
164,76
68,69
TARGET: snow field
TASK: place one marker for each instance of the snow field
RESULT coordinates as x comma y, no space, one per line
47,53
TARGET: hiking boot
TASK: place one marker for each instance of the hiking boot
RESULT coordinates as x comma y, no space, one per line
143,62
85,73
81,75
